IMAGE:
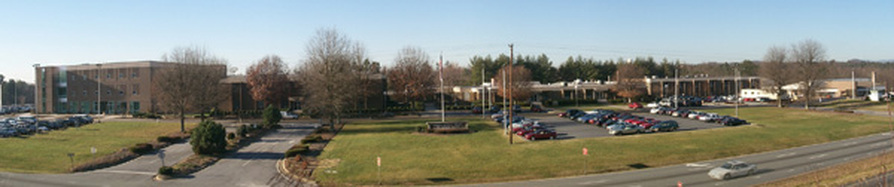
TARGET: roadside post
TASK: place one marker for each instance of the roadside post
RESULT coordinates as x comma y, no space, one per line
586,162
161,155
379,169
71,157
93,152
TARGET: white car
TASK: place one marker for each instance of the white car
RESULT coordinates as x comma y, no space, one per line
732,169
288,115
652,105
709,117
656,110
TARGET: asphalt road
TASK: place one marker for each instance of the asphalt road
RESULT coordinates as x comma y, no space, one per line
253,165
771,165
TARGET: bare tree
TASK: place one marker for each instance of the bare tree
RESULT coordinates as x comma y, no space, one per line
455,75
329,73
191,83
520,85
412,77
776,71
808,56
630,83
269,80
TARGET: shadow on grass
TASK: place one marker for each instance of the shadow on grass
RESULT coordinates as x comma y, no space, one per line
439,179
638,166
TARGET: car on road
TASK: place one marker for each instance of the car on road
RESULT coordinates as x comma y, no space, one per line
635,105
732,169
665,126
652,105
541,134
624,128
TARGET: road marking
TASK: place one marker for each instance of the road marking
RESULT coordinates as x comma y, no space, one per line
879,144
127,172
786,154
817,156
246,162
886,134
697,165
718,184
850,143
791,170
593,182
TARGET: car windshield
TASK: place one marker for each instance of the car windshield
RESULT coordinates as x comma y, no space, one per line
727,166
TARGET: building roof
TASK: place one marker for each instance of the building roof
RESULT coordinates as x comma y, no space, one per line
232,79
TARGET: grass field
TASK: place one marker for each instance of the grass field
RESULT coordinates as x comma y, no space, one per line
46,153
485,156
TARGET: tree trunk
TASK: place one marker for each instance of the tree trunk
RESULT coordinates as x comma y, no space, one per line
182,122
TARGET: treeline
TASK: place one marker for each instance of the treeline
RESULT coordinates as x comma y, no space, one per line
16,91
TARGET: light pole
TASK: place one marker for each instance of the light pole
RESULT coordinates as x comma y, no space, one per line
98,88
34,107
737,91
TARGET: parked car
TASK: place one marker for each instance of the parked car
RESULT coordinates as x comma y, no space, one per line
536,108
516,109
625,128
680,113
653,105
8,132
731,121
527,129
569,113
288,115
657,110
541,134
732,169
709,117
634,105
494,109
695,114
477,110
665,126
85,118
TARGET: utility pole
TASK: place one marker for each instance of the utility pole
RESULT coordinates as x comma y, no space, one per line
504,101
482,93
511,55
737,91
441,77
676,86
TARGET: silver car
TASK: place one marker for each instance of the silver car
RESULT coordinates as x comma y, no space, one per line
732,169
624,128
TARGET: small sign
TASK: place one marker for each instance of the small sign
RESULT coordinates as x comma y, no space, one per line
379,161
71,154
161,154
585,151
93,150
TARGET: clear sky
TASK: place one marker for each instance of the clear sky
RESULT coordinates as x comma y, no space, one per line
75,32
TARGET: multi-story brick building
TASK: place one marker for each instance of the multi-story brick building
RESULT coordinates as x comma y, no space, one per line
119,87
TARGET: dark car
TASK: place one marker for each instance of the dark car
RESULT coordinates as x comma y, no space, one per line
665,126
494,109
569,113
477,110
516,109
731,121
536,108
85,118
541,134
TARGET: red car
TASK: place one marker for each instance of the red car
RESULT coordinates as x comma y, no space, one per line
536,108
528,129
541,134
634,105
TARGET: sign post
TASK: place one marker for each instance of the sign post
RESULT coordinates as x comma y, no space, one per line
586,154
71,157
161,155
93,152
379,168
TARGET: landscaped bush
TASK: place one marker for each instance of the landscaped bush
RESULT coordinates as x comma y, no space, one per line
295,150
321,130
272,116
311,138
208,138
231,136
165,170
141,148
242,130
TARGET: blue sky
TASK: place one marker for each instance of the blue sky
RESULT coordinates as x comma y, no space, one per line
76,32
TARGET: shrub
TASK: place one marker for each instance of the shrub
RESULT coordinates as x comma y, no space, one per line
321,130
141,148
231,135
311,138
165,170
208,138
271,116
242,130
296,150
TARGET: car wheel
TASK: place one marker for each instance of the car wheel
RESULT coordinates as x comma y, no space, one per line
552,137
727,176
533,138
750,172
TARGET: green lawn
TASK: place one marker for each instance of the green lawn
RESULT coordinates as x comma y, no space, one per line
486,156
46,153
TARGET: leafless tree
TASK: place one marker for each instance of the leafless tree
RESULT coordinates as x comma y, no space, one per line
455,75
329,74
808,57
630,83
775,69
191,83
412,77
520,86
269,80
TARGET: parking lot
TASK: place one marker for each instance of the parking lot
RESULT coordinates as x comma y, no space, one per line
568,129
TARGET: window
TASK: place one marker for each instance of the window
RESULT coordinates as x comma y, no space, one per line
121,89
135,73
135,89
120,74
84,92
108,92
108,75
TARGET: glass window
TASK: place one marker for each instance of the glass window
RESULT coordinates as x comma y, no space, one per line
135,90
135,73
85,92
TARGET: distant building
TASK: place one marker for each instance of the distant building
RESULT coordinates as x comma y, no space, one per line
701,86
117,88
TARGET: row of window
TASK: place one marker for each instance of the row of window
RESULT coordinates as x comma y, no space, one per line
111,107
122,89
119,73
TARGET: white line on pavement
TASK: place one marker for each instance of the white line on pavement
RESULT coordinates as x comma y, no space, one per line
127,172
817,156
786,154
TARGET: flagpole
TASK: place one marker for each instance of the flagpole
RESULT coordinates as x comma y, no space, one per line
441,77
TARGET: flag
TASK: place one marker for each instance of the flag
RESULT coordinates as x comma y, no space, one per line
585,151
